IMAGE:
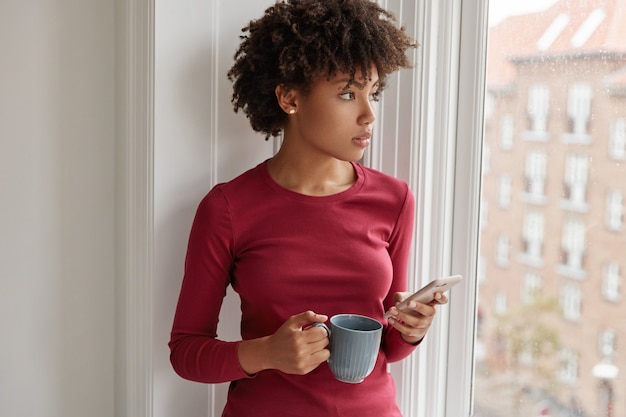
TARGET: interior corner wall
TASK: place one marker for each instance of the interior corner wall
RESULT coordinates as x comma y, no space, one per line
199,140
57,209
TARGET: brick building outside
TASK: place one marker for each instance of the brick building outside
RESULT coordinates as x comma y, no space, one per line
552,310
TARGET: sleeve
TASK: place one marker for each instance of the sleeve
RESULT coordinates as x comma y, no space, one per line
393,345
195,352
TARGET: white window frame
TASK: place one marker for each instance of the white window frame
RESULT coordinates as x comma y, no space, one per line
607,343
568,371
579,99
538,108
531,287
533,233
535,172
611,281
617,142
575,181
614,217
472,35
507,132
505,191
571,301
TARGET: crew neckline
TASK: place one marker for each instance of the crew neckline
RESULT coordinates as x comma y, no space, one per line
353,189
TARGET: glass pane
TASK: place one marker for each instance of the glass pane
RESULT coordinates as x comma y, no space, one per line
551,337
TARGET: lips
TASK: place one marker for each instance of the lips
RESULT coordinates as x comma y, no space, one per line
363,139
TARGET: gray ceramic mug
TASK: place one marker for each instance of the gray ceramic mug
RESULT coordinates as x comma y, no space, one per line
354,345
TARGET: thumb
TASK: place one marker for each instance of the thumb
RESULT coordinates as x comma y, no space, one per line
304,319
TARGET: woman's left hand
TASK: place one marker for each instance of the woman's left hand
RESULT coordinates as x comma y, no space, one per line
414,323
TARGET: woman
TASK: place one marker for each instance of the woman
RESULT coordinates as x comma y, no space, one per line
308,233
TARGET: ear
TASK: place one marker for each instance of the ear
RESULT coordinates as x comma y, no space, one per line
287,99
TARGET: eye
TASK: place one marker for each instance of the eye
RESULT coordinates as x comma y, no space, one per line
349,95
375,96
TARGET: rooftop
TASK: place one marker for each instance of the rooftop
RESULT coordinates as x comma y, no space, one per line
569,28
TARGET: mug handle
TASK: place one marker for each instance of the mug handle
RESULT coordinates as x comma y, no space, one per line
319,324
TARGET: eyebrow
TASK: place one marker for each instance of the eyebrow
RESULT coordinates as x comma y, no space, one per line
348,82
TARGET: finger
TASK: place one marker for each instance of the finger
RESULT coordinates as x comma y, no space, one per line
440,299
418,331
316,334
301,320
399,296
413,307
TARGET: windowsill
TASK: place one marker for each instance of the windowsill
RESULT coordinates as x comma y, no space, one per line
530,260
615,229
578,206
615,299
577,138
536,135
536,199
574,273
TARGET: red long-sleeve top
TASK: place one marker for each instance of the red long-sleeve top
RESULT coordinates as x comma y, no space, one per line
285,253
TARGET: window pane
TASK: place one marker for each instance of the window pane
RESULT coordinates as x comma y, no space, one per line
551,337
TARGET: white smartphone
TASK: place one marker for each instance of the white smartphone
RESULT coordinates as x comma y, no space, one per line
426,294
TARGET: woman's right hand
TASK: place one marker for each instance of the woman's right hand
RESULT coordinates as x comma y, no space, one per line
295,348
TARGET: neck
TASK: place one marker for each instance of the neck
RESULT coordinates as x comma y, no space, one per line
311,176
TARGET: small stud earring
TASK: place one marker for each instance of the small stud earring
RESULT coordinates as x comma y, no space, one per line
292,111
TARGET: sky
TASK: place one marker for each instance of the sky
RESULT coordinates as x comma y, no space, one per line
500,9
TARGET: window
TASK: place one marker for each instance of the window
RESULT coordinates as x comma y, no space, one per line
506,132
552,74
532,235
568,372
607,343
573,248
575,182
571,301
611,281
538,106
531,287
504,191
536,171
502,251
617,142
579,113
614,210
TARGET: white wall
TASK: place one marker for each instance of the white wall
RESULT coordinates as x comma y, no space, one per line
57,173
194,123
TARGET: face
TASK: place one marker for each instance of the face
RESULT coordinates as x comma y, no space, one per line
335,118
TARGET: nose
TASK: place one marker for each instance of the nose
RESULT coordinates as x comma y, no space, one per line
368,115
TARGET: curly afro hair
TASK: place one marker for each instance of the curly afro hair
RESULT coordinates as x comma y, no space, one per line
297,41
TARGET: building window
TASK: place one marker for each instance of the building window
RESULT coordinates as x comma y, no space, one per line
572,249
506,132
568,371
607,343
538,107
617,142
502,251
571,301
614,210
532,235
535,173
579,113
504,191
500,303
575,183
611,281
531,287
